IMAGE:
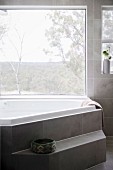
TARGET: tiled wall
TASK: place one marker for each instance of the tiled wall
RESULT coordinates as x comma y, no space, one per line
19,137
99,86
0,148
103,84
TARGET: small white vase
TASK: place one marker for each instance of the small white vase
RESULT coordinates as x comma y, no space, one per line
106,66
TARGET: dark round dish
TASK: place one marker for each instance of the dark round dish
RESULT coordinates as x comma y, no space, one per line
43,146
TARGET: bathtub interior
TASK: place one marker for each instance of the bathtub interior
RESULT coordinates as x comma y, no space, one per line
39,104
20,111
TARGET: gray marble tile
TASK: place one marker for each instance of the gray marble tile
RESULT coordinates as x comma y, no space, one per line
77,2
98,69
86,156
97,9
92,121
31,162
67,160
53,161
107,105
41,2
65,127
2,2
90,69
89,49
69,2
103,88
97,29
24,134
107,2
0,148
97,49
98,167
90,24
6,140
62,2
100,152
90,8
108,126
27,2
109,140
6,147
108,165
90,88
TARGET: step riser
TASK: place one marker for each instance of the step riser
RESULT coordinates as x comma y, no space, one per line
19,137
0,148
78,158
58,129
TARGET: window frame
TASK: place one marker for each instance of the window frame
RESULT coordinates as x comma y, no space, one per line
53,96
103,41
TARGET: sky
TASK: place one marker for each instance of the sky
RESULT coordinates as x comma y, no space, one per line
30,24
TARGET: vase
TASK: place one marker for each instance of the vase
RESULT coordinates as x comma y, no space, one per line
106,66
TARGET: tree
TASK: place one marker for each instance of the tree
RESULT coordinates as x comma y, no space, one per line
4,33
19,56
18,52
66,42
3,26
3,30
68,26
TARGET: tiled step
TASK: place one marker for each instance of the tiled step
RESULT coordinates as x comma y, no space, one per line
58,129
76,153
19,137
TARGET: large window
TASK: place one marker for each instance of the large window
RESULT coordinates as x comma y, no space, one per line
42,51
107,34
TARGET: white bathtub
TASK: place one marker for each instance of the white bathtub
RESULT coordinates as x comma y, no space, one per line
14,112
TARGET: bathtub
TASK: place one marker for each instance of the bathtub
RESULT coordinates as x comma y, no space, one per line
23,120
14,112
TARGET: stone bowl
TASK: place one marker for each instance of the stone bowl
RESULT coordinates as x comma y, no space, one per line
43,146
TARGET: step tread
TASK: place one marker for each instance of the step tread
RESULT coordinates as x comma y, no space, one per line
70,142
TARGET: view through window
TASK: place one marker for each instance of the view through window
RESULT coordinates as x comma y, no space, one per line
107,34
42,52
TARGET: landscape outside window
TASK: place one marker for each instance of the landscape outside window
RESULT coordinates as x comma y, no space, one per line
107,33
42,52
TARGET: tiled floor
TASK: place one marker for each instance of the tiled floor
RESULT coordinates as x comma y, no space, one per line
108,165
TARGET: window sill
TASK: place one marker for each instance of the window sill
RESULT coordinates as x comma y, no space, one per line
42,97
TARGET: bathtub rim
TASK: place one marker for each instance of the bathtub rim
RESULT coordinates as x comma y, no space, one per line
28,97
47,116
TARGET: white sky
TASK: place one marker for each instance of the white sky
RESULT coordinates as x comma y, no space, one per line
31,24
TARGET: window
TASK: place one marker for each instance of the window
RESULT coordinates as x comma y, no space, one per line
107,33
42,51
